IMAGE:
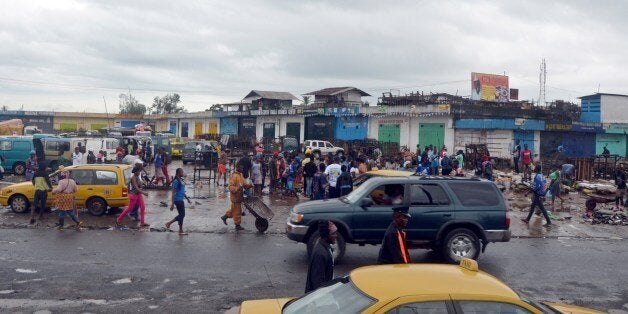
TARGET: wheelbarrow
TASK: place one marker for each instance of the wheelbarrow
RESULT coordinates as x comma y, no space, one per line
594,200
262,213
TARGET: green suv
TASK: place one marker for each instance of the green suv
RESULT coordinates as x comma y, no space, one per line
456,216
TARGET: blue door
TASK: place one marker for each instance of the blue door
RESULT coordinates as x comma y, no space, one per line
525,137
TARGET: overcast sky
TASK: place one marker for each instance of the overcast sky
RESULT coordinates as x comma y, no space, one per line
66,55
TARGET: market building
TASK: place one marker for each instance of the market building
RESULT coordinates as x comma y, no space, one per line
607,113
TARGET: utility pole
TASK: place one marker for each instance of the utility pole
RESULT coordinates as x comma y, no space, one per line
542,75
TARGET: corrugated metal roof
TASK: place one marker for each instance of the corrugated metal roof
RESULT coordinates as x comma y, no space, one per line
336,90
257,94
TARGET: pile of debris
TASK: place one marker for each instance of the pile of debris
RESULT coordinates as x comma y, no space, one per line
603,187
606,216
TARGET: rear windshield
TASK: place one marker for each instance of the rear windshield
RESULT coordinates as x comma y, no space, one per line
475,193
190,145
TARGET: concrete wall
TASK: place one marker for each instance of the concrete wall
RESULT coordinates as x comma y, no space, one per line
614,109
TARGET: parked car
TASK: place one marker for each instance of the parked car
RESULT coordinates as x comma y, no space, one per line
177,148
16,150
321,148
413,288
99,186
455,216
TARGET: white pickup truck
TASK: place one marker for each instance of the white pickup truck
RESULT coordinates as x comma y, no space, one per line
321,148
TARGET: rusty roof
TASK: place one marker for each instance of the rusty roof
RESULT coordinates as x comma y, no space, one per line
331,91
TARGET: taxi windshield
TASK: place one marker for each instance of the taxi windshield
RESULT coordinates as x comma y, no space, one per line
341,296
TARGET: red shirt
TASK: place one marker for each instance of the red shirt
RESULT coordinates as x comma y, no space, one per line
526,156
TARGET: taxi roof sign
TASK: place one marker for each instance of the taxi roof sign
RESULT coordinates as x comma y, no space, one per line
469,264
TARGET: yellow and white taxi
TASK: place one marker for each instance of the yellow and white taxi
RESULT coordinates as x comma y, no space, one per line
99,186
412,288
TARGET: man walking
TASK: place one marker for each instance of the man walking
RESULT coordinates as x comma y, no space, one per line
516,153
539,188
332,172
41,182
178,194
321,268
526,161
77,157
394,249
237,184
620,181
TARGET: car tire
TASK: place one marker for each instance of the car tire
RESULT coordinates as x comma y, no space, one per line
317,154
339,247
96,206
460,243
340,153
185,162
19,168
19,204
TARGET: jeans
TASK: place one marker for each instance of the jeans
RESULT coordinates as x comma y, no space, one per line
40,202
537,201
180,205
516,160
62,216
308,186
333,192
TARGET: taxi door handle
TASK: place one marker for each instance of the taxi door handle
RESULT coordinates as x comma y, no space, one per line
90,189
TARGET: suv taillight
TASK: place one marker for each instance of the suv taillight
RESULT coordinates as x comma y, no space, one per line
507,220
125,192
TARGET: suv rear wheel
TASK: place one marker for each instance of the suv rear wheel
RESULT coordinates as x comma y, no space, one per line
460,243
338,249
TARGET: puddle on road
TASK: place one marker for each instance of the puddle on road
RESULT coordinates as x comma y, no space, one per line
122,281
26,271
7,291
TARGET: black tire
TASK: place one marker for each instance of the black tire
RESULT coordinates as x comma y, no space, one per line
19,204
340,153
339,247
185,162
19,168
96,206
317,153
261,224
460,243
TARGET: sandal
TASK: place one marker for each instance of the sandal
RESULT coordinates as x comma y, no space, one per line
183,233
144,225
168,225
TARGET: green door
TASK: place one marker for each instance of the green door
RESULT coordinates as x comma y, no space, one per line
389,133
432,134
294,130
269,130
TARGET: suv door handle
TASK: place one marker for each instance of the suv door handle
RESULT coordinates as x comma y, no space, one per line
446,215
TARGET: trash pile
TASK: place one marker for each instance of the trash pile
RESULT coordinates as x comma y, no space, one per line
605,216
603,187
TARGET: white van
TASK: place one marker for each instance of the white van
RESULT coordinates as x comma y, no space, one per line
96,144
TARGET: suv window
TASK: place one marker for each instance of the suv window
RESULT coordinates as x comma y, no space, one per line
104,177
475,194
433,307
83,177
328,145
6,145
388,194
484,307
428,194
307,143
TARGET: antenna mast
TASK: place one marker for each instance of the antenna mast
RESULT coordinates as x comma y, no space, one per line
542,75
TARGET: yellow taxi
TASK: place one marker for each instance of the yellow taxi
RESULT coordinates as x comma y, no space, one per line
411,288
176,148
99,186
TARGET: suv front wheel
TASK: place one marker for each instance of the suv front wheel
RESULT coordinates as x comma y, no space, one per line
338,249
460,243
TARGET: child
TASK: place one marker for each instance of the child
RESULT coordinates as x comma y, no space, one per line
178,194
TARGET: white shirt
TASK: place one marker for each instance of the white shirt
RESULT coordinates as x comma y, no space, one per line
77,158
333,171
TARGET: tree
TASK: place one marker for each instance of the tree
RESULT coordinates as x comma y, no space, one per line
167,104
306,100
5,108
130,105
216,107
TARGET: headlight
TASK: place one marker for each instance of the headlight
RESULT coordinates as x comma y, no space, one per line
296,218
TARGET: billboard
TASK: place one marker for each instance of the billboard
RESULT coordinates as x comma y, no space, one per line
489,87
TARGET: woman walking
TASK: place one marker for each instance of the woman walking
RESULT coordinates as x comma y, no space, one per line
64,199
256,174
178,194
136,196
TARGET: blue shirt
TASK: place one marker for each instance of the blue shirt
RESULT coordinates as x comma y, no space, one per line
158,161
539,184
178,188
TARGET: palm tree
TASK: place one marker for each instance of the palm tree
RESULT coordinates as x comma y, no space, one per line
306,100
